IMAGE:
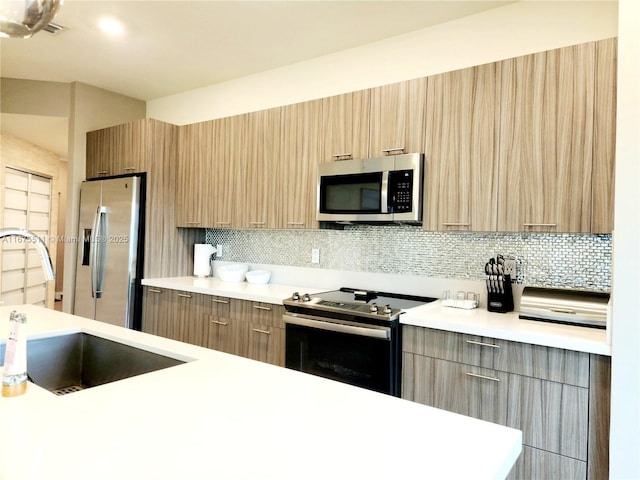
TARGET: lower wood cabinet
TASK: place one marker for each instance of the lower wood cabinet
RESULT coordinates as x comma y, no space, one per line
558,398
240,327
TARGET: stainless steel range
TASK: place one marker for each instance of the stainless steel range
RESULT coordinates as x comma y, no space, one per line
348,335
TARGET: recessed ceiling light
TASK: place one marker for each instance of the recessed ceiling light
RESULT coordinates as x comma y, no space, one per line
111,26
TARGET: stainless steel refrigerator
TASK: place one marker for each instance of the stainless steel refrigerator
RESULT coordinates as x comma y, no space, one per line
110,250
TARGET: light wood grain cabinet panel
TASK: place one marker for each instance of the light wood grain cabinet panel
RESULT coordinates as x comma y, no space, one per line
266,344
300,153
546,141
548,363
155,310
536,464
185,319
258,182
117,150
345,126
195,160
461,156
551,415
604,136
398,117
226,177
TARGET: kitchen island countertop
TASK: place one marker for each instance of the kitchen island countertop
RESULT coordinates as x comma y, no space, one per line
227,417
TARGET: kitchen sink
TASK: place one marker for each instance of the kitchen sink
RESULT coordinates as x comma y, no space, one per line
69,363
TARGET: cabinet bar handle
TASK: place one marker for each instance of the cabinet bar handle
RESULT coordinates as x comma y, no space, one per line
484,377
218,322
340,155
193,223
128,168
258,307
540,225
223,223
103,172
295,223
482,344
389,150
455,224
215,300
258,330
256,223
184,295
154,290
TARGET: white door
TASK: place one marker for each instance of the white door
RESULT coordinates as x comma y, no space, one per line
27,205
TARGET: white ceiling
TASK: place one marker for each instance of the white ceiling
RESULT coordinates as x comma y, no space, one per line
173,46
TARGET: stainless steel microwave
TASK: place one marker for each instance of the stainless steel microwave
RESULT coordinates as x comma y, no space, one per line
385,189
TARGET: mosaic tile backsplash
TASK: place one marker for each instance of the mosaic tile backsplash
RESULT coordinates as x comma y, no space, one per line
543,259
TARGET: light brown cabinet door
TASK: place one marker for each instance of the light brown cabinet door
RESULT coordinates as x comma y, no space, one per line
117,150
299,157
546,141
155,309
195,157
257,187
266,344
227,173
345,126
397,122
604,144
460,156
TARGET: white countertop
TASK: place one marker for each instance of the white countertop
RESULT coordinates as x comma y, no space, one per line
268,293
226,417
508,326
478,321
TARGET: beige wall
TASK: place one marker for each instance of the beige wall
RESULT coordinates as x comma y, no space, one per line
515,29
15,152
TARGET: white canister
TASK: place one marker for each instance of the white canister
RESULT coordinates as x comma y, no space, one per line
202,253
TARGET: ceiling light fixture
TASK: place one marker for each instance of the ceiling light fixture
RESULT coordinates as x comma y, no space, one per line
111,26
23,18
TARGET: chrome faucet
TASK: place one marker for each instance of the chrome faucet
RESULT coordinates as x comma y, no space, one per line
47,265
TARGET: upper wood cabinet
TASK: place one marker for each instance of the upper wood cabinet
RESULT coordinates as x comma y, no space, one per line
300,153
258,159
604,129
196,144
345,126
460,155
117,150
227,173
398,118
546,141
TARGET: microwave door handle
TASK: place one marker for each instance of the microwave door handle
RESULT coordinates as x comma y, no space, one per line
384,193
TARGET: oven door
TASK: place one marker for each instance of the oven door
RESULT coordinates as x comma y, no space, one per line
360,355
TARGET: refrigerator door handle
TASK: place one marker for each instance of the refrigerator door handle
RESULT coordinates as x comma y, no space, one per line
98,254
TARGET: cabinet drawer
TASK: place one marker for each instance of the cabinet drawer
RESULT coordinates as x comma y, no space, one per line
266,343
227,335
217,306
555,364
552,416
258,312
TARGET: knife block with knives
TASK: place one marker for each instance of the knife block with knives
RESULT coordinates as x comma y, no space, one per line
499,292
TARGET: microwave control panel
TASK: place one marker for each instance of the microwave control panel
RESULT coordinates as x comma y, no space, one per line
400,191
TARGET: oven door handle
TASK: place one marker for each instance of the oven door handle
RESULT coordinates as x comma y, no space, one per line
323,324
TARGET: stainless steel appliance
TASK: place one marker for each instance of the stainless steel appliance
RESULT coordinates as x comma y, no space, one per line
385,189
348,335
111,250
574,307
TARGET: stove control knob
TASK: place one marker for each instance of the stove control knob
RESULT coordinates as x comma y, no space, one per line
306,297
295,296
373,308
387,310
